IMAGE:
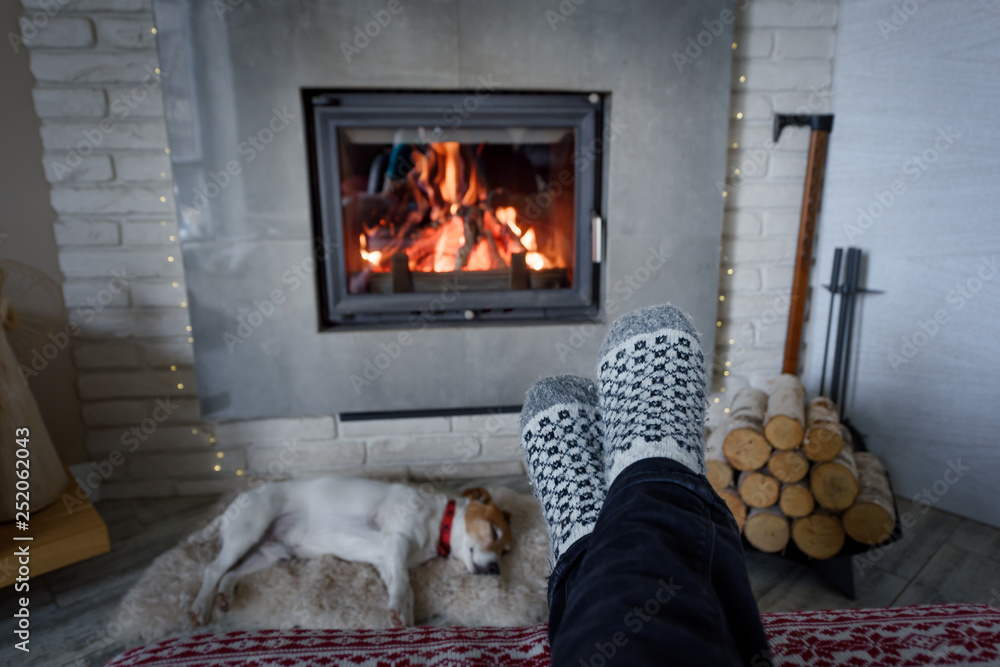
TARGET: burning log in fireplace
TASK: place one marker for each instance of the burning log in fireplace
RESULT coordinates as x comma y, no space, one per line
444,217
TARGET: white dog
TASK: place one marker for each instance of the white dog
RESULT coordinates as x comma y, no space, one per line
392,526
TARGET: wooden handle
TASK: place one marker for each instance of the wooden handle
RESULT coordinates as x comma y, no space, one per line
803,255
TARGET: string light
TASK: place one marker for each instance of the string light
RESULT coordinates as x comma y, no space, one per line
723,389
736,171
743,79
734,46
156,69
174,284
716,400
163,200
167,151
187,328
722,298
731,341
194,431
180,385
729,363
153,30
739,115
220,454
217,468
172,237
170,258
718,323
736,144
239,473
725,193
730,272
184,304
190,340
726,411
173,368
211,439
725,373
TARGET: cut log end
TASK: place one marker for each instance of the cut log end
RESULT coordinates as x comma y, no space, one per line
784,432
823,441
766,530
758,490
834,486
746,448
868,523
819,536
796,501
786,413
788,466
719,473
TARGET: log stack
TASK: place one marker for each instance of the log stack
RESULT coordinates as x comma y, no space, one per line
788,472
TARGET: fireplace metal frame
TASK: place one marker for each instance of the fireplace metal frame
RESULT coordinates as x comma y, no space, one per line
435,111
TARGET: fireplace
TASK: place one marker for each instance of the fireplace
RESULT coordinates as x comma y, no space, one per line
487,202
256,137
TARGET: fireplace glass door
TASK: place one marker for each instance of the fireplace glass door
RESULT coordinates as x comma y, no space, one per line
480,208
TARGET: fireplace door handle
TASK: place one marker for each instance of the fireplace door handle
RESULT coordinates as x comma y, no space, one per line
597,238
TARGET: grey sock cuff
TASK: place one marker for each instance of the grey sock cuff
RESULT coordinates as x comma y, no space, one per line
557,390
647,320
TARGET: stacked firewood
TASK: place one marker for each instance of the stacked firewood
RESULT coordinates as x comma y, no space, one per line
787,470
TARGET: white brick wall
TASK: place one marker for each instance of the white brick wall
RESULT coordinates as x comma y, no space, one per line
106,157
784,54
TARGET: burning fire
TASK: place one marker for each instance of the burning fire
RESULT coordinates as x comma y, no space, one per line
533,259
372,258
444,221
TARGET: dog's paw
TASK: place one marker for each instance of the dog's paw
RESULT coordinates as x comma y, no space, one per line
222,602
200,612
401,612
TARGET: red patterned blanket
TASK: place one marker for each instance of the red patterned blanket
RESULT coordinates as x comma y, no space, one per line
954,634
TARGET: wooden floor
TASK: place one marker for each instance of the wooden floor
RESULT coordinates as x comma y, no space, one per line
942,558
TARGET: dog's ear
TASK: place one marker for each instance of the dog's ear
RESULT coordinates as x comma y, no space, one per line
478,494
506,516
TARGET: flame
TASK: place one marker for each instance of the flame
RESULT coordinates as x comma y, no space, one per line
448,201
449,184
508,216
372,258
534,261
451,238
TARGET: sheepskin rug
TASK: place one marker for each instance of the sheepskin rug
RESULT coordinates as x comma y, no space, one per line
331,593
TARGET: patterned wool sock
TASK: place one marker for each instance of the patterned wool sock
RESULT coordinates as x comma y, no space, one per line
561,438
651,386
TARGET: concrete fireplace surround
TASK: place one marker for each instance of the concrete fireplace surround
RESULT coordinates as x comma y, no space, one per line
231,79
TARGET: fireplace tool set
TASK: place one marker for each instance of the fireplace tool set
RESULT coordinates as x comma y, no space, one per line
848,288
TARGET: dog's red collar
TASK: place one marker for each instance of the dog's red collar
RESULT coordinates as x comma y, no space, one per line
444,542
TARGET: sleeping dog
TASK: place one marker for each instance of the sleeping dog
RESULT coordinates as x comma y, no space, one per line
392,526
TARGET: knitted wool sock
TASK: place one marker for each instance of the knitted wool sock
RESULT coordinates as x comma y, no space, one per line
651,386
561,438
